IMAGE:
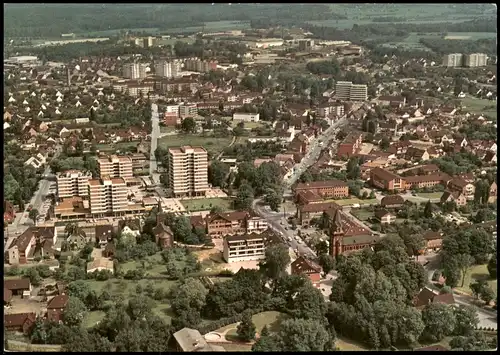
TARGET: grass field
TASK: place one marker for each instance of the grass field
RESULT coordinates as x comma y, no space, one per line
211,144
155,262
412,41
477,272
470,35
362,215
206,204
351,201
475,105
430,195
345,344
272,319
248,125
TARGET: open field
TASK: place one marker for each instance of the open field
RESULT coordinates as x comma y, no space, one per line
206,204
154,265
412,41
212,144
475,105
92,318
351,201
212,26
272,319
248,125
345,344
477,272
430,195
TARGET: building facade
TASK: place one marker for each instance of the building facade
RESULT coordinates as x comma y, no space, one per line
108,196
475,60
166,69
453,60
326,189
134,70
346,90
115,166
73,183
188,171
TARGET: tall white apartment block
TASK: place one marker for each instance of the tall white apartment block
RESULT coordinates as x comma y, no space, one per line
134,70
73,183
346,90
115,166
107,196
188,171
166,69
453,60
475,60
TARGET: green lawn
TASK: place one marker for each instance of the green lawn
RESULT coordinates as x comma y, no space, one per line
164,129
430,195
92,318
155,265
248,125
477,272
272,319
472,35
477,106
211,144
362,215
349,345
351,201
205,204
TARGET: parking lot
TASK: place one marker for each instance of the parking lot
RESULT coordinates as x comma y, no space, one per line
171,204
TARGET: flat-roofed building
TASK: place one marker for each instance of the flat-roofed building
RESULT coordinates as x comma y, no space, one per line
346,90
188,171
115,166
108,196
475,60
134,70
245,247
73,183
453,60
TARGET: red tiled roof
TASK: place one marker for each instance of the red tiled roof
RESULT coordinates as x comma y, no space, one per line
58,302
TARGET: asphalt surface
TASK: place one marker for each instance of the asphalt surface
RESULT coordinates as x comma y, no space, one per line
155,133
321,142
277,222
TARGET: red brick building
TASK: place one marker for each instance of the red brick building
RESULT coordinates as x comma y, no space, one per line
350,145
386,180
55,308
326,189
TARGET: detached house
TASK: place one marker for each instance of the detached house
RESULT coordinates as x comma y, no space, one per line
461,185
454,196
303,266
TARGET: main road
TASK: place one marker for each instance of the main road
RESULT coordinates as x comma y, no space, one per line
327,137
155,133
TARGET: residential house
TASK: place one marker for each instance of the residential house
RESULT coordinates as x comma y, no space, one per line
350,145
99,264
130,226
164,236
326,189
306,212
17,287
56,307
190,340
103,234
433,241
19,322
384,216
454,196
303,266
416,154
78,239
392,201
219,224
427,296
461,185
23,247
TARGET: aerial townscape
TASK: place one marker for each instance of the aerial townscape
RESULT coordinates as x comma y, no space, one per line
250,177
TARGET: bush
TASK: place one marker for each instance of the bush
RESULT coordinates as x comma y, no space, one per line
226,272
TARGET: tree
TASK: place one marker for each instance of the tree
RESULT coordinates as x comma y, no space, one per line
487,294
321,247
33,214
353,170
189,296
466,320
299,335
182,229
452,275
464,262
246,328
492,266
277,258
327,262
384,143
34,276
474,342
439,321
217,173
428,209
244,197
481,192
477,287
273,199
414,243
265,343
308,303
188,125
74,312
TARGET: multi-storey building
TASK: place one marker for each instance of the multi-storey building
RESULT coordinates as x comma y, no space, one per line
148,42
453,60
350,145
461,185
386,180
198,65
134,70
108,196
306,44
326,189
73,183
346,90
475,60
115,166
244,247
188,110
188,171
166,69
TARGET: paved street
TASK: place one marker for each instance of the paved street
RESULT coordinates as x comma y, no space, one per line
274,219
323,141
155,132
